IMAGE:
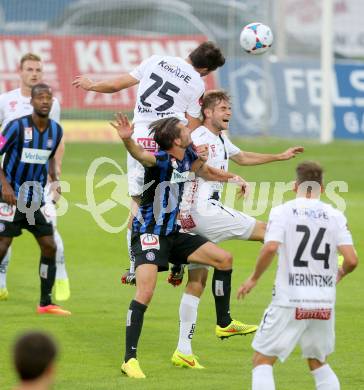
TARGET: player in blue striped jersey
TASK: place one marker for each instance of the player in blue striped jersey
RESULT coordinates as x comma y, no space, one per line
29,144
155,237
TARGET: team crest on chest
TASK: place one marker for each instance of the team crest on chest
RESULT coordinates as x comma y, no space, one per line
49,143
28,133
12,105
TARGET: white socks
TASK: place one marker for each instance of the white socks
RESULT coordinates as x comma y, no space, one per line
4,268
131,257
263,378
325,378
188,317
61,272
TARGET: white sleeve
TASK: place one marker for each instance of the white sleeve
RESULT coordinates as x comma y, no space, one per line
194,107
276,226
230,147
342,233
139,71
55,113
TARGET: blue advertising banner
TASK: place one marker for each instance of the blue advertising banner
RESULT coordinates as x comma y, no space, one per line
283,99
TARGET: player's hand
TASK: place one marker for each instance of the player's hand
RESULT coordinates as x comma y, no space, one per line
122,125
202,152
8,194
83,82
242,184
246,287
291,152
340,274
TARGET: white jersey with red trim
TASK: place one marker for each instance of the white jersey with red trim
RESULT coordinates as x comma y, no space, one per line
199,191
169,86
14,105
309,232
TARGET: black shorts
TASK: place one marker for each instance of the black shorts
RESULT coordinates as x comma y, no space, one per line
14,228
161,250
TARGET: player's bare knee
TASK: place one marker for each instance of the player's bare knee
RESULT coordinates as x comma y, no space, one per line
144,295
195,288
227,261
49,248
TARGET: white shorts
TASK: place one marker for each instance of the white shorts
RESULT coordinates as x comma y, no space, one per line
220,223
280,332
135,169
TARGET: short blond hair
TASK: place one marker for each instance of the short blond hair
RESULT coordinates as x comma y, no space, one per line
29,57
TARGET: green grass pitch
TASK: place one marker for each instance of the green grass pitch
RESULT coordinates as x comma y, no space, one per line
92,339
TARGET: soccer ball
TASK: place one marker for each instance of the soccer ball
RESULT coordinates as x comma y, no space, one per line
256,38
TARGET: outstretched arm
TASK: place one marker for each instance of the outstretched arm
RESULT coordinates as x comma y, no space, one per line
125,132
251,158
214,174
105,86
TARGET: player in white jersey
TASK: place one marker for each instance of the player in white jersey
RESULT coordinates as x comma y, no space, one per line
168,87
15,104
307,234
203,213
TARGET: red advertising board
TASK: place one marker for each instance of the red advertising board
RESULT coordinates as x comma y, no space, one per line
100,57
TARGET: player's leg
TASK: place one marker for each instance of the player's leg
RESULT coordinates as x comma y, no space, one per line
8,230
220,223
43,233
62,286
221,260
317,342
129,276
135,188
146,280
262,374
325,378
4,265
258,232
196,283
277,335
147,263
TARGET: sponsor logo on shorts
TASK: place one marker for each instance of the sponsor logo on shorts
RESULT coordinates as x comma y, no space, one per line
2,227
7,212
149,241
150,256
313,314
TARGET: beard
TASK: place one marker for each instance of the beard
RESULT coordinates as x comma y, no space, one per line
42,114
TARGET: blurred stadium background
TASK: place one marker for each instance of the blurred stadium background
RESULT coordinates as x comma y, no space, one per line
277,94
